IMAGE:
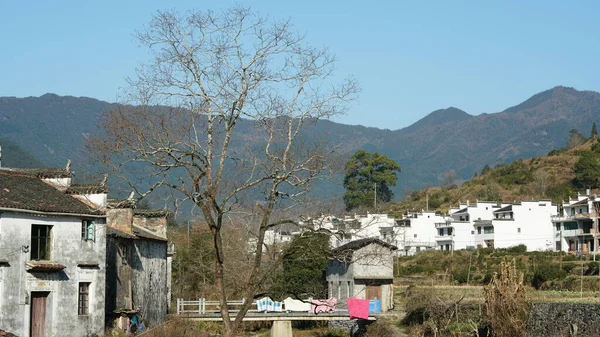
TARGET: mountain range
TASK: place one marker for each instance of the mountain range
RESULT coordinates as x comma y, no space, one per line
52,129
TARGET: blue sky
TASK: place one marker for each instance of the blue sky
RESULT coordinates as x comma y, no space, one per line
410,57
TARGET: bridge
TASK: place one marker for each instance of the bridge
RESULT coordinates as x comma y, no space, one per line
206,310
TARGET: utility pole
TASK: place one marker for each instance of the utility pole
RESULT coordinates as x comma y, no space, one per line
375,198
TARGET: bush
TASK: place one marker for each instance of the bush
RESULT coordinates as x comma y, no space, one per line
519,249
546,272
592,268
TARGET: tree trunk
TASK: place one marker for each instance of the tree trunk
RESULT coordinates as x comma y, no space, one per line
220,283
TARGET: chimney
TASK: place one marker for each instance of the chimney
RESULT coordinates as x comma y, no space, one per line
587,191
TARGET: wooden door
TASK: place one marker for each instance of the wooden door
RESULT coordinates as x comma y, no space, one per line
38,314
373,291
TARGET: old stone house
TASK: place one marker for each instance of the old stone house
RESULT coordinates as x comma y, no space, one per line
138,264
52,257
71,262
363,269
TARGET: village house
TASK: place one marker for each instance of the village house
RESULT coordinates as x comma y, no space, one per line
576,227
138,265
413,233
78,262
524,223
52,257
362,269
457,231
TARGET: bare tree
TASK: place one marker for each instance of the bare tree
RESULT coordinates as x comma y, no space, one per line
541,182
219,73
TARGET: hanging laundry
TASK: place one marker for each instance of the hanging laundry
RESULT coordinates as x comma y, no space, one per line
291,304
261,305
358,308
318,306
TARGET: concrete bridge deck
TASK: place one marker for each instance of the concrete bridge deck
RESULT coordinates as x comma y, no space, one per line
341,315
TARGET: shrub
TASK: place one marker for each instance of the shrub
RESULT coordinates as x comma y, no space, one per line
519,249
546,272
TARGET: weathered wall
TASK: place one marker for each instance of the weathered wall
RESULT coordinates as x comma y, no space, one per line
157,225
120,218
68,249
557,319
149,272
138,280
373,261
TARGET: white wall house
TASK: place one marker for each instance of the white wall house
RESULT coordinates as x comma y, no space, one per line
415,232
527,222
52,259
351,228
457,231
576,227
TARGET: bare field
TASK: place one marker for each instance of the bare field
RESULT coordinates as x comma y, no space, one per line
474,294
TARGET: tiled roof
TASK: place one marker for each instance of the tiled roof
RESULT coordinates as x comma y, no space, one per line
151,213
464,210
358,244
581,202
86,189
44,266
146,234
26,192
43,172
120,234
138,233
121,203
504,209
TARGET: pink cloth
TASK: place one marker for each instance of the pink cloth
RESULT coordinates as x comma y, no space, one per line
358,308
318,306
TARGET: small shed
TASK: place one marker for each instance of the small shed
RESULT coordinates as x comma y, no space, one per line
363,269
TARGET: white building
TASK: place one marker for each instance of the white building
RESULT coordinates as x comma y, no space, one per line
457,231
492,225
411,234
415,232
576,228
525,223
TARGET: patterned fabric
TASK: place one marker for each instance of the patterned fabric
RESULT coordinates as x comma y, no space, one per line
318,306
266,304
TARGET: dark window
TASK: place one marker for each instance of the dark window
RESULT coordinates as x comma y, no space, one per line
449,231
40,242
124,254
415,235
519,230
488,230
88,230
84,298
478,230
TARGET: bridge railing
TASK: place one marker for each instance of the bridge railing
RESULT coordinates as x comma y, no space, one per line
203,306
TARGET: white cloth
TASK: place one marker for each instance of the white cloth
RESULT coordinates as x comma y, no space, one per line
291,304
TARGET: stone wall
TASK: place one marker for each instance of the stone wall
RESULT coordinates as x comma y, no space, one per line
564,319
355,327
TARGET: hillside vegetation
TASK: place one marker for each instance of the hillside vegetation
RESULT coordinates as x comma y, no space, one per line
551,177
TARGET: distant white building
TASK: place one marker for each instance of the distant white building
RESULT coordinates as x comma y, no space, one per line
415,232
576,228
487,224
411,234
457,231
526,223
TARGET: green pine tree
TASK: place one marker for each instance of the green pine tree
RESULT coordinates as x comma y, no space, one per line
594,130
